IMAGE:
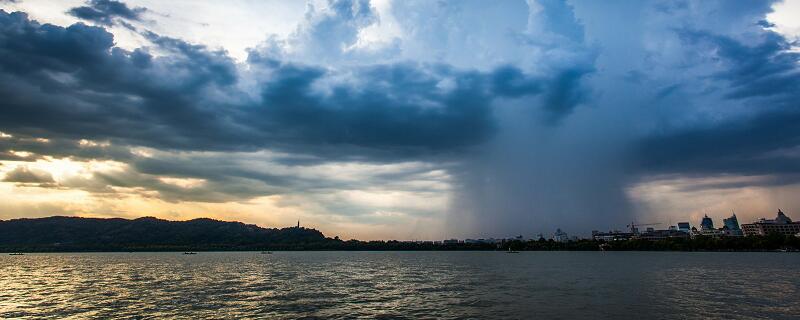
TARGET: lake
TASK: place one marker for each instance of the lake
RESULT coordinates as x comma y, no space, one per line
412,285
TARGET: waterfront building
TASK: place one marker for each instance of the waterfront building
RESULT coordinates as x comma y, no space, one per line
706,223
731,233
732,223
560,236
482,240
716,233
655,235
731,227
781,224
707,229
611,235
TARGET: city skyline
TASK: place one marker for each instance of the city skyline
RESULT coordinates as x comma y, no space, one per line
401,119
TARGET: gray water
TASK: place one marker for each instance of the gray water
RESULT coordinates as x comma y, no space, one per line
448,285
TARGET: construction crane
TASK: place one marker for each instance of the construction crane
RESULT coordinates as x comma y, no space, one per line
635,229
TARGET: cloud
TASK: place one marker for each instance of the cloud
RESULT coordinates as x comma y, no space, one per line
72,83
107,12
766,69
22,174
189,99
329,32
762,144
762,140
509,116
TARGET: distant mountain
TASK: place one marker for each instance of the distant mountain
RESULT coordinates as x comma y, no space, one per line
93,234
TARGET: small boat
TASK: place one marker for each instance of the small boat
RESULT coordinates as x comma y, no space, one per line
511,251
190,252
16,254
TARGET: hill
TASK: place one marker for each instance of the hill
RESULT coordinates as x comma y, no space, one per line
148,234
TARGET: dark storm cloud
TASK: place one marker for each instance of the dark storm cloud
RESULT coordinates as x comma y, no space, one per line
107,12
755,145
398,107
765,24
766,69
764,141
511,82
733,183
73,83
565,92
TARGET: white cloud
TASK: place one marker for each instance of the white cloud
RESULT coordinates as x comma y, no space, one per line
786,17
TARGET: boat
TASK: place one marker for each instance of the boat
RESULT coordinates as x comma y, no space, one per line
511,251
16,254
190,252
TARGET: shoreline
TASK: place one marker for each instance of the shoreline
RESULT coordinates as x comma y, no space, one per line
453,250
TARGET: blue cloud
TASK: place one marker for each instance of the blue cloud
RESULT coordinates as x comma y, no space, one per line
763,141
107,12
167,101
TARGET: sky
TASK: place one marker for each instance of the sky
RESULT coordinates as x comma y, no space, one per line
405,120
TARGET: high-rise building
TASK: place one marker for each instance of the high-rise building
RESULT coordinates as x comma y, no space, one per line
560,236
731,223
781,224
706,223
731,226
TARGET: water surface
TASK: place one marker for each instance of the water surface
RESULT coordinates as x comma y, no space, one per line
413,285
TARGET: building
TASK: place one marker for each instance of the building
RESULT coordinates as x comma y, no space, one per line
482,240
707,229
611,235
706,223
716,233
731,223
655,235
731,227
684,226
560,236
781,224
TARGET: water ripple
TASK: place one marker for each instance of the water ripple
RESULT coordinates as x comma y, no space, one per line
401,285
